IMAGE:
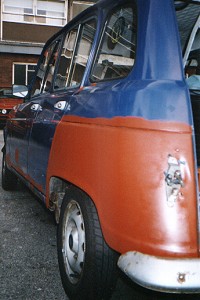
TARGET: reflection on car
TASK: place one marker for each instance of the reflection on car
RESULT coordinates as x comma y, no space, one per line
7,102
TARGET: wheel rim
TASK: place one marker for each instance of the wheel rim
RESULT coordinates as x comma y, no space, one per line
73,247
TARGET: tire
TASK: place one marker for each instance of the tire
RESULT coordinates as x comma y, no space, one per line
88,267
8,179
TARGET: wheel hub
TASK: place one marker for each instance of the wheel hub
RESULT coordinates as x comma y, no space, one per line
73,241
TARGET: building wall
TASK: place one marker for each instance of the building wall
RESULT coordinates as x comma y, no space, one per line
6,66
28,32
23,37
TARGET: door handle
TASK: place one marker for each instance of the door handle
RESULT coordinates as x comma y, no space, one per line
36,107
61,105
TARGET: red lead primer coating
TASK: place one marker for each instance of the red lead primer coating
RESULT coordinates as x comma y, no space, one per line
107,157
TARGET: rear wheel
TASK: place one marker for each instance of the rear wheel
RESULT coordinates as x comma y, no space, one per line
8,179
88,267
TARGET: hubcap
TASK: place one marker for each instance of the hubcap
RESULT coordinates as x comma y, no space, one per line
73,241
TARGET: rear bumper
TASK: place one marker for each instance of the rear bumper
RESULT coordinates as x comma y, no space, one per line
162,274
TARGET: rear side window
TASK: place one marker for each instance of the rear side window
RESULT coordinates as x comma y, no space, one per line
83,50
66,59
75,54
116,55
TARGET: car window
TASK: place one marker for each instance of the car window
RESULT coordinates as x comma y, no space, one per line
116,55
51,68
65,64
46,69
186,19
83,51
75,55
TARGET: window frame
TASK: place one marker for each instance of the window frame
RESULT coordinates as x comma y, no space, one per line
59,39
10,15
23,64
132,4
79,26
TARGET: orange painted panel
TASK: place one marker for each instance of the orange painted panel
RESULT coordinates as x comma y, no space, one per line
120,163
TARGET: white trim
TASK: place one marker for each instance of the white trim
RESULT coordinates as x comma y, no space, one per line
179,275
1,21
84,2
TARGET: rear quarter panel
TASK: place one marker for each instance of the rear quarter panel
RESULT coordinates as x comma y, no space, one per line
120,164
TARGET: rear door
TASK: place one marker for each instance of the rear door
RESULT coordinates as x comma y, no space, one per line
54,96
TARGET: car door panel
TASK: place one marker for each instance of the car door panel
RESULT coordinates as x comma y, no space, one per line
44,125
19,130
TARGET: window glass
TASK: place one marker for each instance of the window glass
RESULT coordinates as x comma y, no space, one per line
186,19
51,67
51,9
23,73
35,11
66,58
30,73
46,69
19,74
116,54
14,6
83,51
75,55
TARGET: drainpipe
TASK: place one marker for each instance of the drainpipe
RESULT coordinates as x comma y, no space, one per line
1,21
70,8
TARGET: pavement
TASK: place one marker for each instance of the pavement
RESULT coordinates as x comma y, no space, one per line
28,255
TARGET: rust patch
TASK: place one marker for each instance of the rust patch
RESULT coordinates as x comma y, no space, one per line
181,278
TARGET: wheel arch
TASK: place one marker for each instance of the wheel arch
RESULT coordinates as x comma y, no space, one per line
57,189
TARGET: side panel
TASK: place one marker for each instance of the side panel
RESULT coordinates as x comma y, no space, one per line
120,163
42,133
18,132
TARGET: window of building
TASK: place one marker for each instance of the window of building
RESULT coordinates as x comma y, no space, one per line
52,13
116,54
23,73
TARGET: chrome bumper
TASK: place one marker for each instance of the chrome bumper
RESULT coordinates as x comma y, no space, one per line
162,274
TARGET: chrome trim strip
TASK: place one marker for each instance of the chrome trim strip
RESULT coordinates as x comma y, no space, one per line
19,119
178,275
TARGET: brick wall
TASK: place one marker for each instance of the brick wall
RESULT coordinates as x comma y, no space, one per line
6,66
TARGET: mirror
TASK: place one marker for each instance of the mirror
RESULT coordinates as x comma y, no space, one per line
20,91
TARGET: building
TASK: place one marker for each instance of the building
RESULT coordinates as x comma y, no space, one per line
25,25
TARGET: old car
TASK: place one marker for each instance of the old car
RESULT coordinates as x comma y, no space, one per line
108,138
7,102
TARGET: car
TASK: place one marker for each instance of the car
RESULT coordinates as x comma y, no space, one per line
7,102
108,139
